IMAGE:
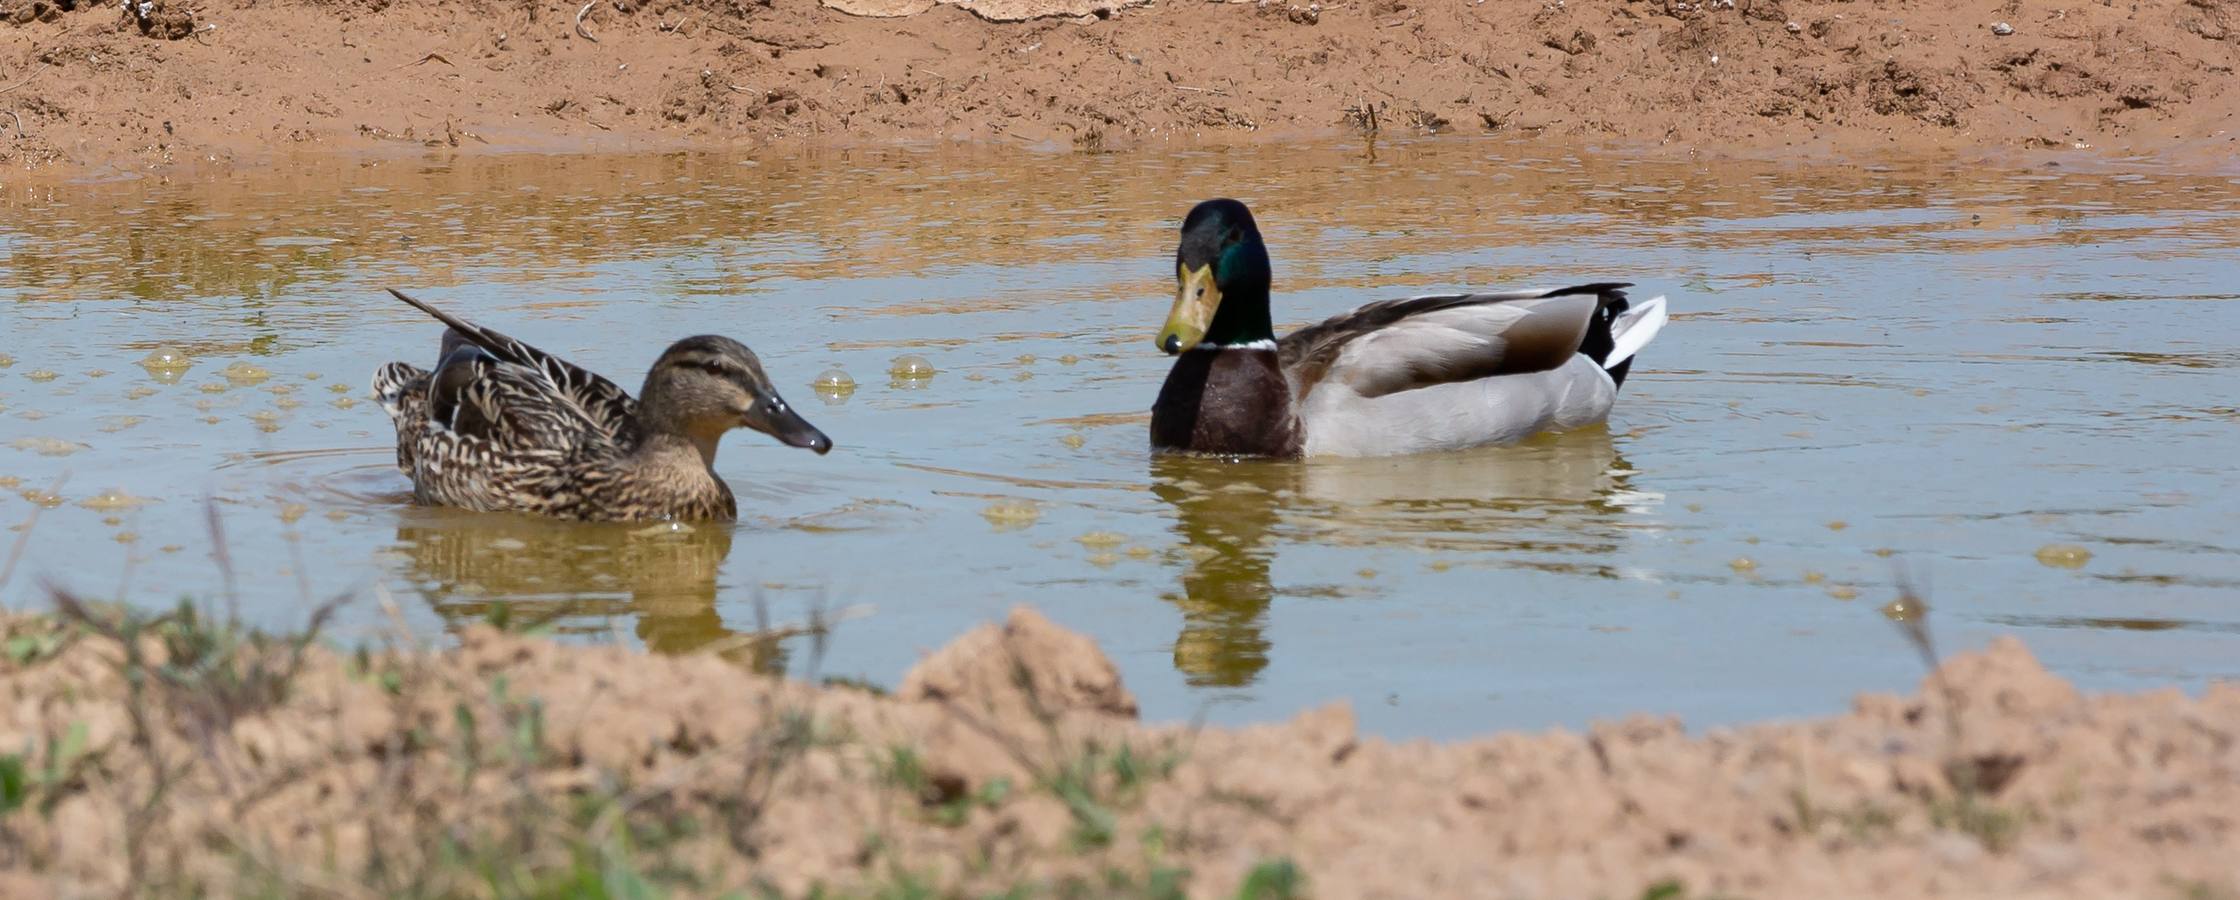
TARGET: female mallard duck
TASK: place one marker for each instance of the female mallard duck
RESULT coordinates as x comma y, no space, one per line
502,426
1399,376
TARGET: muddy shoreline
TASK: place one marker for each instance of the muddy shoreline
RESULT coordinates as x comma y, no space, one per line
1011,761
89,88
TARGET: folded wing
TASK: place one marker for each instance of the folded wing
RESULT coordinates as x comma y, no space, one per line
1400,345
601,404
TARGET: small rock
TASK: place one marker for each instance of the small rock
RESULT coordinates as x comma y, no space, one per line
167,358
2063,556
1009,514
2001,29
114,498
910,367
1793,27
1026,666
2050,861
48,446
242,373
1956,850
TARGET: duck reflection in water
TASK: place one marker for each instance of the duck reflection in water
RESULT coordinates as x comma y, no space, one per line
1224,510
1552,503
574,579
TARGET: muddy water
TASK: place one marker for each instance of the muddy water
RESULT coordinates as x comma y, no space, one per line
2018,384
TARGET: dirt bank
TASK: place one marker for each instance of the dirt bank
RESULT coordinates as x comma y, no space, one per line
167,81
1012,761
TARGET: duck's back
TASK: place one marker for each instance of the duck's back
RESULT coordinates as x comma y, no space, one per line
1454,371
483,434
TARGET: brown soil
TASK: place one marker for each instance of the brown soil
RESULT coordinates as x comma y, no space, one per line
164,81
1011,761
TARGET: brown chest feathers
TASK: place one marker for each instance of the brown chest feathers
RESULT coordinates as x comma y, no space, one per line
1226,401
661,479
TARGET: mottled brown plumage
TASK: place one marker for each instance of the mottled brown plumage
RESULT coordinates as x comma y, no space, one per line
502,426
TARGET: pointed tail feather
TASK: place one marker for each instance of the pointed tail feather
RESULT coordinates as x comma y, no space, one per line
456,323
1631,331
1635,328
460,330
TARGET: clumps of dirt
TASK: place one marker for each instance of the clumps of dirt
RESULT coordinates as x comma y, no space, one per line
161,19
1902,76
19,12
991,10
180,755
1917,92
1026,667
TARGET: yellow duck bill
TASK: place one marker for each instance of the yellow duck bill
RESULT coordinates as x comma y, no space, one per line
1195,299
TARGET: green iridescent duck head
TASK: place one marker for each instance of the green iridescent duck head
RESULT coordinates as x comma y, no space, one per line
1221,275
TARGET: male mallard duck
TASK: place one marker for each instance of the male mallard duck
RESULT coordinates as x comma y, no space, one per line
1429,373
502,426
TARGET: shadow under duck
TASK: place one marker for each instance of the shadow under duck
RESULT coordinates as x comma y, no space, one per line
499,425
1441,372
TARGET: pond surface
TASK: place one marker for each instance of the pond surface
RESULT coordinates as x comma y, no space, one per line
1971,373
